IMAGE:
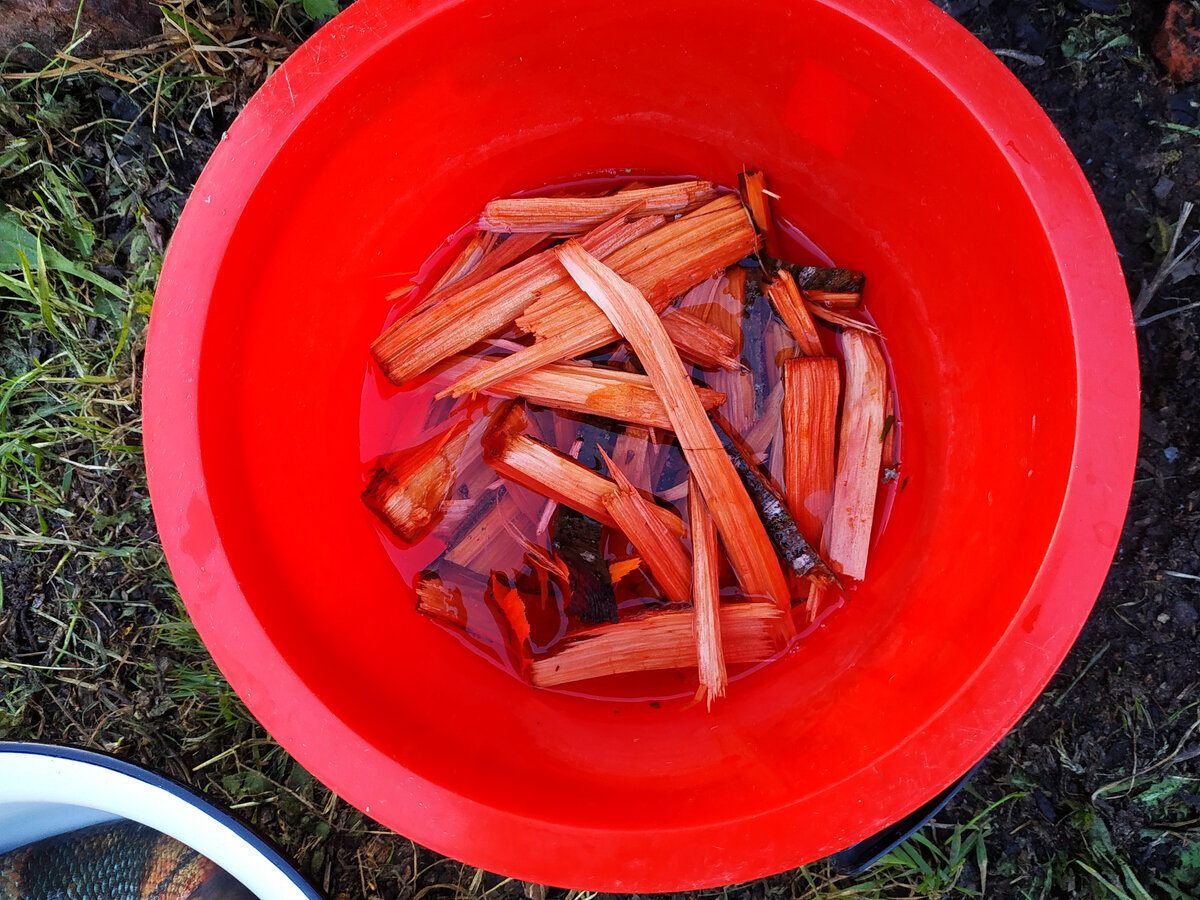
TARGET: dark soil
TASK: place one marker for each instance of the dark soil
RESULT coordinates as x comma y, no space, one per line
1105,768
1125,697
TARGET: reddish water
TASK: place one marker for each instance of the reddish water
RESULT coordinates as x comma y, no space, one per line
393,418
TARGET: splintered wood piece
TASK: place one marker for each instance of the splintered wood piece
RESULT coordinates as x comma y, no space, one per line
836,318
706,595
718,302
595,390
555,475
760,436
435,598
507,608
745,538
816,594
572,215
700,343
833,299
502,252
409,490
860,450
754,192
770,502
637,456
494,539
468,258
466,315
780,346
662,264
738,388
622,567
775,463
513,606
665,639
663,552
811,386
552,505
785,297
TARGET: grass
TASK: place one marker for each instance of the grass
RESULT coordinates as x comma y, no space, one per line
97,157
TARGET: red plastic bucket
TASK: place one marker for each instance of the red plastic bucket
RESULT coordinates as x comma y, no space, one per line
898,144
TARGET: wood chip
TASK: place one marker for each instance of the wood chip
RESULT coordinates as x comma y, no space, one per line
750,632
469,314
706,595
785,297
746,542
859,454
595,390
811,389
573,215
663,264
663,553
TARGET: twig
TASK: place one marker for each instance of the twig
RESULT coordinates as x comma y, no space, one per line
1169,263
1176,755
1182,574
1170,312
1091,662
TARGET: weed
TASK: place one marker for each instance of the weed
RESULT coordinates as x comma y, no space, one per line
1099,37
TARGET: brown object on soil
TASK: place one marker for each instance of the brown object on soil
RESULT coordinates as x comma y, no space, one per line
750,632
48,25
1177,44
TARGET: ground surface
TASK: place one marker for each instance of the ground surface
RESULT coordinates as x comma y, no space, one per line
1095,794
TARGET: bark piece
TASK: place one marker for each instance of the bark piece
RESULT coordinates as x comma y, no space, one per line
576,539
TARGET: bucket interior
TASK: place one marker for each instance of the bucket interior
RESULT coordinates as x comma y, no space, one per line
877,162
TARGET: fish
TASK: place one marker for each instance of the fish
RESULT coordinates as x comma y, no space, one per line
122,860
